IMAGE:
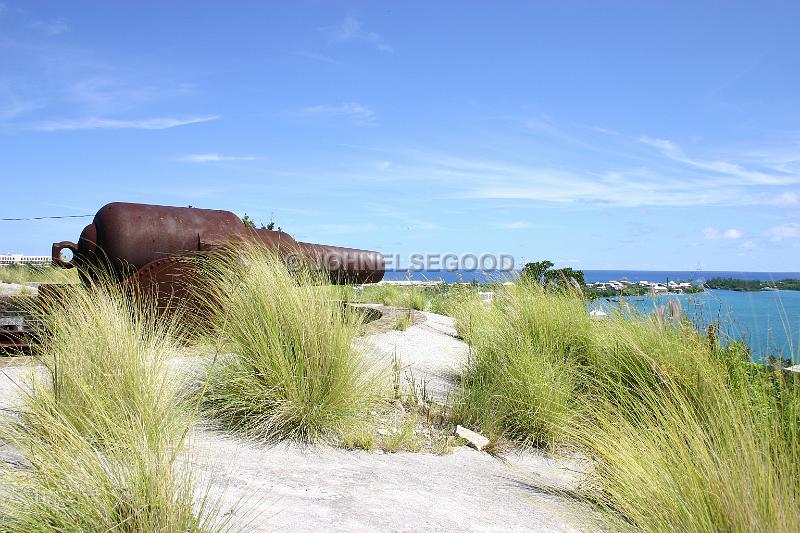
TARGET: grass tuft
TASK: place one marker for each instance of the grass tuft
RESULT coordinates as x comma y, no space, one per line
405,321
403,436
665,462
684,434
358,437
294,373
395,296
37,274
519,382
96,444
107,376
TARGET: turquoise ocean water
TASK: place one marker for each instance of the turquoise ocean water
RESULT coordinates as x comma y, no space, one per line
768,321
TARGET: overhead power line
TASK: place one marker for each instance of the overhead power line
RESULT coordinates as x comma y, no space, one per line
45,218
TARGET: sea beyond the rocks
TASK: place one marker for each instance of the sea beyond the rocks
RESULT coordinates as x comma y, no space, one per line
591,276
768,321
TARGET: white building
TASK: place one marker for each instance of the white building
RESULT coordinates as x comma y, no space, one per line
598,314
19,259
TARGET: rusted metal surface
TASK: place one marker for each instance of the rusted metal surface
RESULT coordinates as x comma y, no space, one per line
143,244
16,333
20,320
15,342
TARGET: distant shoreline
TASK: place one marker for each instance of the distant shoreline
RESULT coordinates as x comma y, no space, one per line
591,276
743,285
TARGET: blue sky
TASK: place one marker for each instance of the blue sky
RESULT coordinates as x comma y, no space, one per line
595,134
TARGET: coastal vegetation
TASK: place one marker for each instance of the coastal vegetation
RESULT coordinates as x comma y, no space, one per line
684,433
518,382
100,431
593,292
733,284
679,430
37,274
542,272
386,294
290,370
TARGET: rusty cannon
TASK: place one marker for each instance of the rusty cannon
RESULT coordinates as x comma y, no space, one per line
146,245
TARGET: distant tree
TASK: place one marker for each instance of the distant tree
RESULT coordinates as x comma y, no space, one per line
542,272
270,226
732,284
568,275
536,271
248,222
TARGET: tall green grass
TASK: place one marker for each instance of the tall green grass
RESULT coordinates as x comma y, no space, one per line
106,358
34,274
684,434
519,382
668,462
394,295
65,483
293,372
99,434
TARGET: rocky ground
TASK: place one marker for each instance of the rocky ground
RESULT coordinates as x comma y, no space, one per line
287,488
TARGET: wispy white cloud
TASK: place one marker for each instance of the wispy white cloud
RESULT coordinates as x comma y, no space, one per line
514,225
672,151
44,77
351,30
612,189
13,109
93,123
786,198
712,233
455,176
424,226
50,27
581,166
784,231
781,153
214,158
13,105
354,110
101,94
321,58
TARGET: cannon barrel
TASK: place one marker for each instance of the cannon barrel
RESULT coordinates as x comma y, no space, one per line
144,240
